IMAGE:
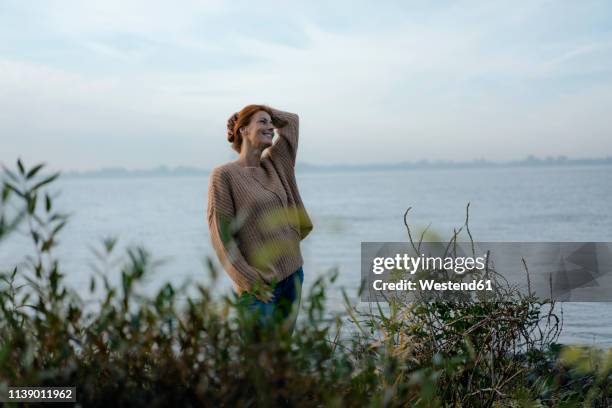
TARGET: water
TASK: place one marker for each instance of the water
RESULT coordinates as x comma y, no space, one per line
168,216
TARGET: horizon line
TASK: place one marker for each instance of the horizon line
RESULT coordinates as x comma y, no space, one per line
530,160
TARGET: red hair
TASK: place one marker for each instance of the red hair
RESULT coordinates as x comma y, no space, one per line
243,118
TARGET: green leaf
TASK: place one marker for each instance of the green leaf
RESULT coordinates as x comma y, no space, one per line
9,173
20,166
56,217
14,189
47,244
47,202
54,279
32,204
109,244
34,170
59,227
5,192
45,181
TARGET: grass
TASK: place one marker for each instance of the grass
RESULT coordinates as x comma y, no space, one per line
193,350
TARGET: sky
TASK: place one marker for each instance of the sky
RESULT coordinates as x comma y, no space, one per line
139,84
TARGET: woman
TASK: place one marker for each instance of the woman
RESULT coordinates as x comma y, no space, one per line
256,216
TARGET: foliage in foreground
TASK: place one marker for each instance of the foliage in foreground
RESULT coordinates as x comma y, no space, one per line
184,349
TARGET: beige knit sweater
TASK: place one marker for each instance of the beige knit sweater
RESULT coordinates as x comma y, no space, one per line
256,216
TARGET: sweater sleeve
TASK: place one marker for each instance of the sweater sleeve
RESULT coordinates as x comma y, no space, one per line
284,153
285,147
221,224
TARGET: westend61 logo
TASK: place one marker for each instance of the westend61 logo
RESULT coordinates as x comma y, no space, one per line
482,271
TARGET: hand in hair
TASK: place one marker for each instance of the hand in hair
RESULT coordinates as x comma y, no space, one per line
278,122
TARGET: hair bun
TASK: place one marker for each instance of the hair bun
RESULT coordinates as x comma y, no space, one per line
231,122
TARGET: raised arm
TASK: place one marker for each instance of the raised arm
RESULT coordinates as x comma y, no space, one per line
221,216
288,125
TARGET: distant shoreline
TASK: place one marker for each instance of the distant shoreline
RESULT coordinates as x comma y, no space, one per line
531,161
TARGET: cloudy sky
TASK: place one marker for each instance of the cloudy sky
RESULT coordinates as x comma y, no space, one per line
87,84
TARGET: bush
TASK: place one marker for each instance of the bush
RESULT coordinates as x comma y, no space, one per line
179,349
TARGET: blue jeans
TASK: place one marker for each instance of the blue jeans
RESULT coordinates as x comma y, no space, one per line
284,304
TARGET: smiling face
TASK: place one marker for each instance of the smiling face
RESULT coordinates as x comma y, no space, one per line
260,130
